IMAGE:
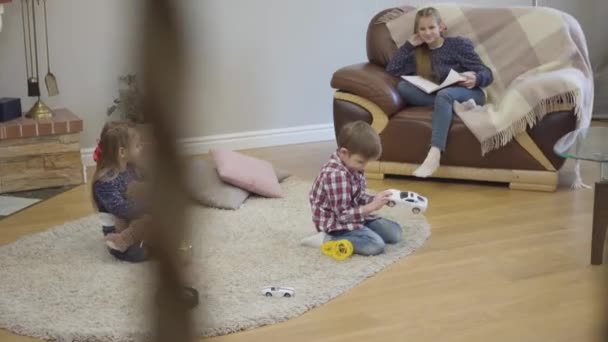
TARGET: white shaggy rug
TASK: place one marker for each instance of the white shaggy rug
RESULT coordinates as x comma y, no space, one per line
63,285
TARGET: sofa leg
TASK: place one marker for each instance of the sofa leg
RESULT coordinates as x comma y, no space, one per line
533,187
373,175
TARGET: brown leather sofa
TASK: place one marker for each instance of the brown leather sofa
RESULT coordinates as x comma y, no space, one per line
366,92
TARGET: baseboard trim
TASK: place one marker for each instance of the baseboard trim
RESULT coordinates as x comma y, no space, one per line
245,140
599,116
86,155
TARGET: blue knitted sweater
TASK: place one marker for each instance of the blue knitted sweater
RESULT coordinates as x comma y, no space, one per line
110,196
456,53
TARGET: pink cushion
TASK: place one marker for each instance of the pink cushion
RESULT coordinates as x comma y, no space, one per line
254,175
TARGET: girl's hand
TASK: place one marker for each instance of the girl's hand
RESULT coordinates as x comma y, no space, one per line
120,224
415,40
470,79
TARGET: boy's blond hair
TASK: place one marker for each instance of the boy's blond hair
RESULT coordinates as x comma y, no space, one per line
358,137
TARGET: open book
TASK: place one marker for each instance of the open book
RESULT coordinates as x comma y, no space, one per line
431,87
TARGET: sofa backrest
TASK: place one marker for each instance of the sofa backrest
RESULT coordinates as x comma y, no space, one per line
380,45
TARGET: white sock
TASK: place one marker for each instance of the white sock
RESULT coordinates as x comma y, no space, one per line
430,164
314,241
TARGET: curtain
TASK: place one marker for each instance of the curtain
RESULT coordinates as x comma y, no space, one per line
1,11
592,15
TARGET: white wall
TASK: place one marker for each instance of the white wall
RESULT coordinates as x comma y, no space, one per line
259,64
267,64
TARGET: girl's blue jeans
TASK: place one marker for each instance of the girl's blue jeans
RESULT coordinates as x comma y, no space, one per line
443,103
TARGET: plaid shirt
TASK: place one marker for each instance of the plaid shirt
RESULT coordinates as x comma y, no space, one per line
337,196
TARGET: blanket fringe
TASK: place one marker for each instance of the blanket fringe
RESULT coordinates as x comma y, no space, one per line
567,101
563,102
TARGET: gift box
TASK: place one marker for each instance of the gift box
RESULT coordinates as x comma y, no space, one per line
10,109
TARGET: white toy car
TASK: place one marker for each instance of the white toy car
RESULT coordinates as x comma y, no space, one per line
417,203
278,291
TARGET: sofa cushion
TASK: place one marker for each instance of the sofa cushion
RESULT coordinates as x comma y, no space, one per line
406,137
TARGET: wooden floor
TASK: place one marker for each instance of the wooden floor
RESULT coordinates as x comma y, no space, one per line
501,265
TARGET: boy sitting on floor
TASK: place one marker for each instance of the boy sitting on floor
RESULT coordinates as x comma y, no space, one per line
340,206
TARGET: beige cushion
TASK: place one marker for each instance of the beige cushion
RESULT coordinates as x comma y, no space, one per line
207,188
246,172
282,174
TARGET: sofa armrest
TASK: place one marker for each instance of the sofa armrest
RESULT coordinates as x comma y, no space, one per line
372,83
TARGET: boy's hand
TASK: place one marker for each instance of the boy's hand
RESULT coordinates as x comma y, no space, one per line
379,201
386,193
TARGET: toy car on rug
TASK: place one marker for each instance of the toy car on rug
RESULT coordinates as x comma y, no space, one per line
278,291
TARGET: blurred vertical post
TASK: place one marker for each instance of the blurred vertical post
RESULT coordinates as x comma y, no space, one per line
163,71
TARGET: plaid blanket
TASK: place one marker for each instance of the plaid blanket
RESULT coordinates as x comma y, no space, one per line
539,59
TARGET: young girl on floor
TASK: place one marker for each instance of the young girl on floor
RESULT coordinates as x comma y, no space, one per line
428,54
123,217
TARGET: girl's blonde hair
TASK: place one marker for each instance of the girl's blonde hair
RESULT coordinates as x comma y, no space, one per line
114,135
422,52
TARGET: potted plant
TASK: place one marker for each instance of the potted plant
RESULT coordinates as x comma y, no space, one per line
128,104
